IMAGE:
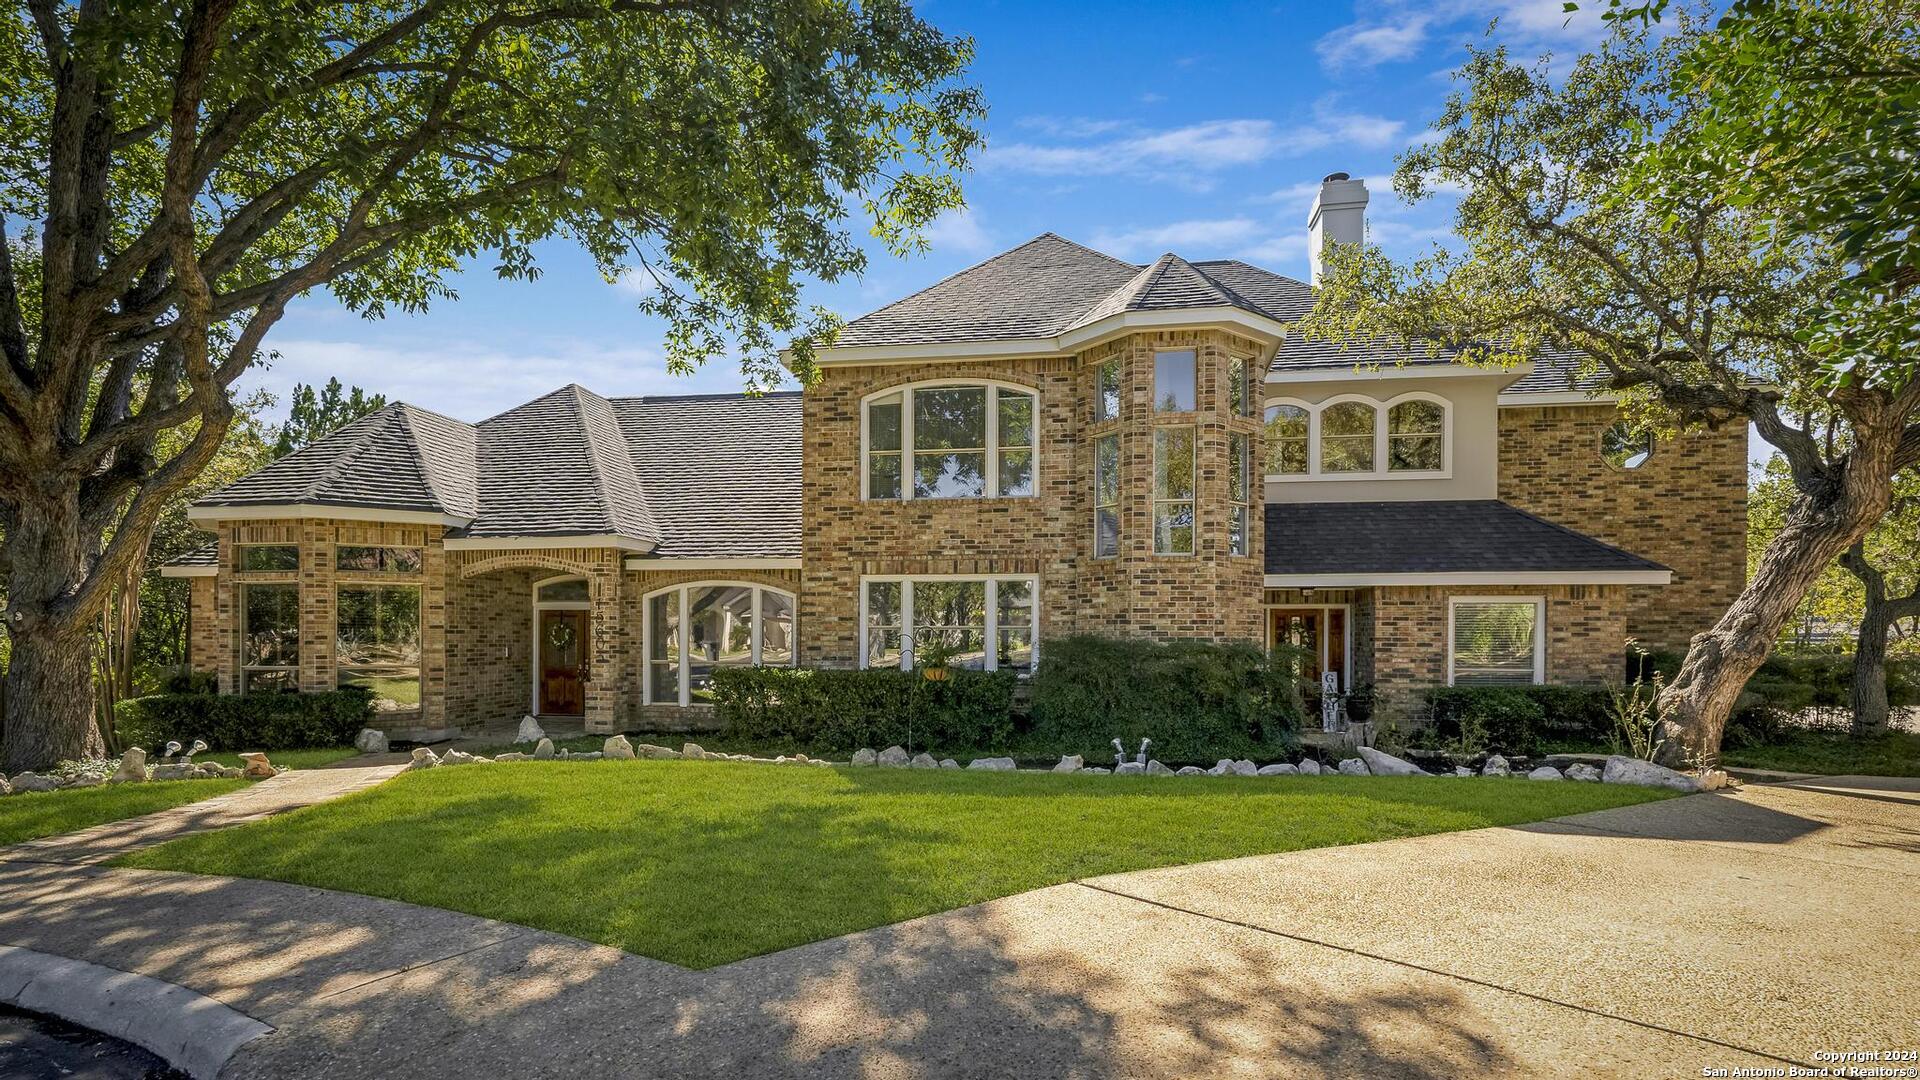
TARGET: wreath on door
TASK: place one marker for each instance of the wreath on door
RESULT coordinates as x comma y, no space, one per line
560,635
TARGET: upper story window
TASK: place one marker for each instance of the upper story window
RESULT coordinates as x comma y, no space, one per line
1239,491
1359,438
1106,392
950,441
268,557
1623,447
1106,496
1174,381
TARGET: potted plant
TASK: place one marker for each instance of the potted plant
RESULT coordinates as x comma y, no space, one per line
934,659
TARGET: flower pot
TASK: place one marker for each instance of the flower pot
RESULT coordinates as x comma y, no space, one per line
934,674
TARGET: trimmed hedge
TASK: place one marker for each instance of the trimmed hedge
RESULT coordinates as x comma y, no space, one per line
831,709
1515,719
1197,701
246,721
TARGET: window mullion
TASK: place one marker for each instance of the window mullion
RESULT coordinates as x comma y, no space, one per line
906,444
906,624
753,628
686,694
1379,439
993,442
1313,441
992,660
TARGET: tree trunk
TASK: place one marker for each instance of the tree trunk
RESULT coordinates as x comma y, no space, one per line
1877,619
49,698
1694,708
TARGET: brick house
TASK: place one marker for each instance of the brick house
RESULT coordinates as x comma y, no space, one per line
1054,441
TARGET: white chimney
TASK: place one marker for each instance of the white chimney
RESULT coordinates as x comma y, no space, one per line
1339,216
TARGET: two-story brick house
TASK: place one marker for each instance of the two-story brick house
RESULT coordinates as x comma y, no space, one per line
1054,441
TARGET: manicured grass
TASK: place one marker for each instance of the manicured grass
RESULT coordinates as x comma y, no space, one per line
701,863
31,815
296,759
1893,753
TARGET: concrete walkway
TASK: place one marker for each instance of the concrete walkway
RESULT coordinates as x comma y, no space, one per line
1749,929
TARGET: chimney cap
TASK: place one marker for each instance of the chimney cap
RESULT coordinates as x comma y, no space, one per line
1331,177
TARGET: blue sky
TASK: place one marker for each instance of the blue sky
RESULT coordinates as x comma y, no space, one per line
1133,128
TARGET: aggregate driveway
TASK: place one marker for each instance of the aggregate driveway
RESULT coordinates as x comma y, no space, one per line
1749,929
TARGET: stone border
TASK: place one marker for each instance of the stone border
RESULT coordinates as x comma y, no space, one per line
193,1032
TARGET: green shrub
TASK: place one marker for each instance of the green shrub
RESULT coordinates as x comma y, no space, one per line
831,709
1516,719
246,721
1197,701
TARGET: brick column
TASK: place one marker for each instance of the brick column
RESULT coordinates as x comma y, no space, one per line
317,603
603,644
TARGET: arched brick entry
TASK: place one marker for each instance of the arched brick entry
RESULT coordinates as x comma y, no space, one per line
489,631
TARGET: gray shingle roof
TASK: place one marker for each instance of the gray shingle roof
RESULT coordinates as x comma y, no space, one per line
559,466
1555,370
721,472
1465,536
204,555
396,458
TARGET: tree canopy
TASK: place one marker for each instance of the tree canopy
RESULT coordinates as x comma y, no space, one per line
311,414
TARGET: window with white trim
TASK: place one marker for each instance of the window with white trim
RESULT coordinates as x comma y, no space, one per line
1346,437
951,441
1359,438
1239,491
1173,478
992,622
270,638
1416,431
1288,432
695,629
1106,496
1495,641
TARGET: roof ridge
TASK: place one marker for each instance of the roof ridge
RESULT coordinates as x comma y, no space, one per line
644,529
352,450
428,474
989,262
432,412
1082,247
735,395
1233,296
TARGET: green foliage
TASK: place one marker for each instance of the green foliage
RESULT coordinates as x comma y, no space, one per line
1516,719
1634,709
311,415
246,721
1197,701
836,710
1793,690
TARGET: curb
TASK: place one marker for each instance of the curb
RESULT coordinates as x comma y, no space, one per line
193,1032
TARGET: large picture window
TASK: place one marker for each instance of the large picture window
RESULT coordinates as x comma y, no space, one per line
992,622
1173,490
377,643
1106,496
270,638
694,630
1495,641
961,441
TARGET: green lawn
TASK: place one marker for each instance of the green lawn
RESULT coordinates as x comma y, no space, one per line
31,815
701,863
1893,753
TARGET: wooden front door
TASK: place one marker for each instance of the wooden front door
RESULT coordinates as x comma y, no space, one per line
1322,632
563,662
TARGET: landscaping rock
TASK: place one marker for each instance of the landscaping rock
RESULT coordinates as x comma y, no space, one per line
1626,770
1545,772
1129,768
1071,763
1279,768
6,787
133,766
256,767
591,755
1462,770
1190,770
692,751
231,772
923,761
949,763
87,780
32,781
1353,766
423,758
992,764
1309,767
618,748
370,741
1096,770
543,750
1580,770
1243,767
1713,780
1496,766
893,757
530,731
1380,763
1221,767
655,753
865,756
1155,768
178,770
512,755
461,757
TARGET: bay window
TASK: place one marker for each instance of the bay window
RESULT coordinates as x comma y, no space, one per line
959,441
270,638
988,623
267,557
377,643
694,630
1173,477
1106,496
377,560
1239,491
1106,392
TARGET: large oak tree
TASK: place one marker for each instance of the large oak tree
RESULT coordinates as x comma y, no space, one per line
172,176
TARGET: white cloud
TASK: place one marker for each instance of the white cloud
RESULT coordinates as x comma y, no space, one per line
1189,238
1384,31
637,282
1361,45
959,232
1177,154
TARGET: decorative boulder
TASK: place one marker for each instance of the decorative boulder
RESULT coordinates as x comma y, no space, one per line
591,755
460,757
1279,768
543,750
655,753
1096,770
1462,770
231,772
1071,763
1384,764
992,764
617,747
1155,768
949,763
511,755
422,759
1353,766
370,741
1243,767
32,781
692,751
178,770
1626,770
256,766
1222,767
1545,772
1580,770
1713,780
1309,767
6,787
923,761
133,766
1129,768
530,731
1190,770
83,780
1496,766
865,756
893,757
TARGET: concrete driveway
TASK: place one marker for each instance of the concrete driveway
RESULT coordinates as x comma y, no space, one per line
1748,929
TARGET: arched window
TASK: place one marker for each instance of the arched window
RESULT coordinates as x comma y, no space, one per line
1287,431
1346,437
950,441
694,629
1416,436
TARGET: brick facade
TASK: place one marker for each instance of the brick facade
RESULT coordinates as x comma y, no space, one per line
1686,508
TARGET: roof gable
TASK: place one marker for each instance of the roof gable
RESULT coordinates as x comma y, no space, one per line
379,461
559,466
